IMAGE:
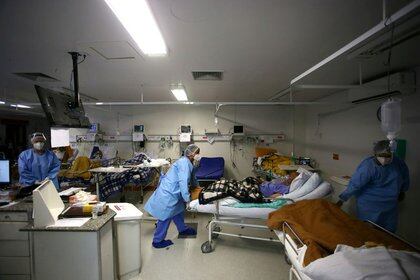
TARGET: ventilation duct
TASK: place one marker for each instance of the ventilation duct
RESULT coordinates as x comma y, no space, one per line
207,75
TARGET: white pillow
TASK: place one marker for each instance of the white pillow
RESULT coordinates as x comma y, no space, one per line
309,186
299,181
319,192
356,263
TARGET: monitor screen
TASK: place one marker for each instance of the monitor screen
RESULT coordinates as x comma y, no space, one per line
59,110
4,172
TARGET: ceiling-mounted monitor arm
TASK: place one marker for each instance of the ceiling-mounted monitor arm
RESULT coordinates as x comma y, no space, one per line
75,57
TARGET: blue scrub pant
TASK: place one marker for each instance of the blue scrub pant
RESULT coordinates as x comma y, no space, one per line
382,214
162,227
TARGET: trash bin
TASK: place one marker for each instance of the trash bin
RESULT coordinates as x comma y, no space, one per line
128,237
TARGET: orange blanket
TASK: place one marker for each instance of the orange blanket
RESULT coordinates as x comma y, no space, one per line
322,226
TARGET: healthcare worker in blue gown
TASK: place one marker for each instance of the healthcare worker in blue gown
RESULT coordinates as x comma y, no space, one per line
378,184
38,163
167,203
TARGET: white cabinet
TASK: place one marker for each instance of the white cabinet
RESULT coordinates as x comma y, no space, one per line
15,260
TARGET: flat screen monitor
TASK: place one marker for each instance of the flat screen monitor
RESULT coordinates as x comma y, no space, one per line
4,172
59,109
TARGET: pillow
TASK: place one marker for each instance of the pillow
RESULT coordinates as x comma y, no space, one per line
355,263
319,192
299,181
308,187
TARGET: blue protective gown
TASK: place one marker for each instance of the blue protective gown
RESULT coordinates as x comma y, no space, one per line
377,188
35,167
169,198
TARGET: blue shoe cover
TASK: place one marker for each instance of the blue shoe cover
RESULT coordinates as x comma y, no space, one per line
188,231
162,244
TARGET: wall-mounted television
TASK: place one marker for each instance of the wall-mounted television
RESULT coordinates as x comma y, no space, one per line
60,110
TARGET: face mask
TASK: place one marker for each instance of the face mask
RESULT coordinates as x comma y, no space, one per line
197,157
384,160
59,155
38,146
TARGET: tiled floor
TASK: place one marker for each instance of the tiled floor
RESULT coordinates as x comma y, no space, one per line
233,258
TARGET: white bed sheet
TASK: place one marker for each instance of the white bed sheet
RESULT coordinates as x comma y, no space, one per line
224,210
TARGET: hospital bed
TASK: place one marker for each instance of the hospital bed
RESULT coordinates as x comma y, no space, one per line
295,249
223,214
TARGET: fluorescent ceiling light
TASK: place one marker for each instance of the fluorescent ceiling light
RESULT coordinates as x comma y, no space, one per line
2,102
99,103
137,18
179,92
20,106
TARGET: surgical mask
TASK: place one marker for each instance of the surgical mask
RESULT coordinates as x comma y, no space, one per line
59,155
39,145
384,160
196,161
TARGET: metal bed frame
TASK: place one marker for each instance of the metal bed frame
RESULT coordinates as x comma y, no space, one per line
290,236
215,230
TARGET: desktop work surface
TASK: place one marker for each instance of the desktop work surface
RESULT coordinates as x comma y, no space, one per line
85,252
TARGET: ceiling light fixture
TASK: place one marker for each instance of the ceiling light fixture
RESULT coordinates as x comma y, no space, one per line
20,106
99,103
137,18
179,92
2,102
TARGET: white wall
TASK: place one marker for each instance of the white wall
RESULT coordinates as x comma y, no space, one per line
351,134
167,119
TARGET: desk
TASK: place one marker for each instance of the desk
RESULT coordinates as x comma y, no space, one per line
86,252
105,170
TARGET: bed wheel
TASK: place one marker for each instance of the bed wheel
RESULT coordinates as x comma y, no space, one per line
214,235
287,260
207,247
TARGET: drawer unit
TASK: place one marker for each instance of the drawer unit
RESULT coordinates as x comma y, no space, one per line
15,265
13,217
11,231
11,248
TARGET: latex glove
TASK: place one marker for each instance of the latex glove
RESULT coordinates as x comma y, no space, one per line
37,182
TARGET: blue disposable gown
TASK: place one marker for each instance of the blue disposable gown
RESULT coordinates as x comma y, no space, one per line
377,188
35,167
169,198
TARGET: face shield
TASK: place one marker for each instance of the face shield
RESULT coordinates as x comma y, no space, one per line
38,140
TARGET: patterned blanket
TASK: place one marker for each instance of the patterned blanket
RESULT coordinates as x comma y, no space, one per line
246,191
113,183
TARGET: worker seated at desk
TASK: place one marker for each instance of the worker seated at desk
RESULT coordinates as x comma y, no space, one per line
38,163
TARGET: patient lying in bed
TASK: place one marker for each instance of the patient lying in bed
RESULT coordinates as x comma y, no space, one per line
322,226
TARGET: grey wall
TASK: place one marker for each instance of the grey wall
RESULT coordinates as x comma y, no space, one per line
167,119
351,134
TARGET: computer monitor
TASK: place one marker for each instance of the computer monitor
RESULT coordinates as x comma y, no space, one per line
4,172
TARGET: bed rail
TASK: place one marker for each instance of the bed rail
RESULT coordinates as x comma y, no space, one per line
394,235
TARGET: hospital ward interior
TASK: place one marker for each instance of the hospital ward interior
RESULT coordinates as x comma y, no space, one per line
209,139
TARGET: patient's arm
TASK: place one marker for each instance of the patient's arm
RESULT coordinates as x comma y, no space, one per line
274,195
